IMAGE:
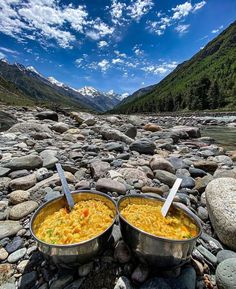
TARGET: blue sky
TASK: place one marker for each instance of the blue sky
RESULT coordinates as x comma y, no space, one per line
109,44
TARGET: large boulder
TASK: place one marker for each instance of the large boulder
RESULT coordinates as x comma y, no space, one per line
220,200
30,127
192,132
6,121
47,115
25,162
109,133
159,163
143,146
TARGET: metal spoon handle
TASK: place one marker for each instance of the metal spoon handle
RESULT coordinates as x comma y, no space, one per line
65,186
170,198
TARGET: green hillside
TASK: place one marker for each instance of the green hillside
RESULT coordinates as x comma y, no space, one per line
206,81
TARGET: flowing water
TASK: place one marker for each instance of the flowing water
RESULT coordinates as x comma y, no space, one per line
223,135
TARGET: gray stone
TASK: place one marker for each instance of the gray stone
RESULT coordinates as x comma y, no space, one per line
4,171
197,172
220,198
17,255
193,132
177,163
23,209
8,286
52,195
85,269
140,274
99,168
225,254
224,160
61,282
132,175
49,162
30,127
114,146
28,280
156,283
207,254
159,163
3,255
18,174
6,120
25,162
208,166
9,228
60,127
143,146
42,174
123,283
19,196
122,252
226,274
109,185
47,115
23,183
165,177
114,134
130,131
202,213
222,173
14,245
187,182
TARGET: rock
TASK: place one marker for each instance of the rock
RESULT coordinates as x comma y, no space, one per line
197,172
23,183
207,254
3,254
18,174
8,286
132,175
208,166
143,146
14,245
4,171
220,198
193,132
19,196
165,177
159,163
222,173
9,228
224,255
47,115
122,252
30,127
140,274
85,269
6,120
49,162
51,195
60,127
82,117
123,283
22,265
187,182
61,282
6,272
25,162
23,209
114,134
177,163
152,127
99,169
17,255
42,174
109,185
224,160
226,274
114,146
202,213
155,190
156,283
130,130
201,183
28,280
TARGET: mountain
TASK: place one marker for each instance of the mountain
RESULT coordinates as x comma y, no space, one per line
103,100
22,85
206,81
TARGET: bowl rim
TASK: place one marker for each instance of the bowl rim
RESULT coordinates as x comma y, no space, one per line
94,192
158,198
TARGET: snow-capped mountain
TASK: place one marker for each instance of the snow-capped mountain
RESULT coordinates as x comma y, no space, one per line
32,69
55,81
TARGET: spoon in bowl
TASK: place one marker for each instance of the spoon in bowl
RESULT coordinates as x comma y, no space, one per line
165,208
65,186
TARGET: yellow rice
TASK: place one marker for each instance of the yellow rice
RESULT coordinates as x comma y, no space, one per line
86,220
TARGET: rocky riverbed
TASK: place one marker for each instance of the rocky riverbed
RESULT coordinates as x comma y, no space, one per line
117,155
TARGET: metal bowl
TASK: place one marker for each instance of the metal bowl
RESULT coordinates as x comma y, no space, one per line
78,253
158,252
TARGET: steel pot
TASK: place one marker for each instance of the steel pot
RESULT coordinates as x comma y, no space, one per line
78,253
158,252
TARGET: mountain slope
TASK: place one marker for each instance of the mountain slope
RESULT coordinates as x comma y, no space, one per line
206,81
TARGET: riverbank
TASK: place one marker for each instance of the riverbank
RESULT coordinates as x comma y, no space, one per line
118,155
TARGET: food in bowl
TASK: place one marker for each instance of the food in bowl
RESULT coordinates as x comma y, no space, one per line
85,221
147,217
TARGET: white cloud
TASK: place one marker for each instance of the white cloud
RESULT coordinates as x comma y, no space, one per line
120,54
124,95
116,10
102,43
2,55
5,49
138,52
182,28
214,31
104,65
199,5
117,60
139,8
177,14
182,10
99,29
78,62
160,69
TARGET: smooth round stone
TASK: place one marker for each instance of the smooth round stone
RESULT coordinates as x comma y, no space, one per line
19,196
52,195
8,286
85,269
225,254
9,228
21,210
187,182
197,172
226,274
202,213
3,254
17,255
22,265
14,245
28,280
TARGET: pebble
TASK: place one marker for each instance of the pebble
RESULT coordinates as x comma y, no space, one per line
17,255
62,282
14,245
28,280
143,146
165,177
19,196
23,209
122,252
23,183
9,228
226,274
85,269
25,162
109,185
207,254
22,265
225,254
3,254
123,283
